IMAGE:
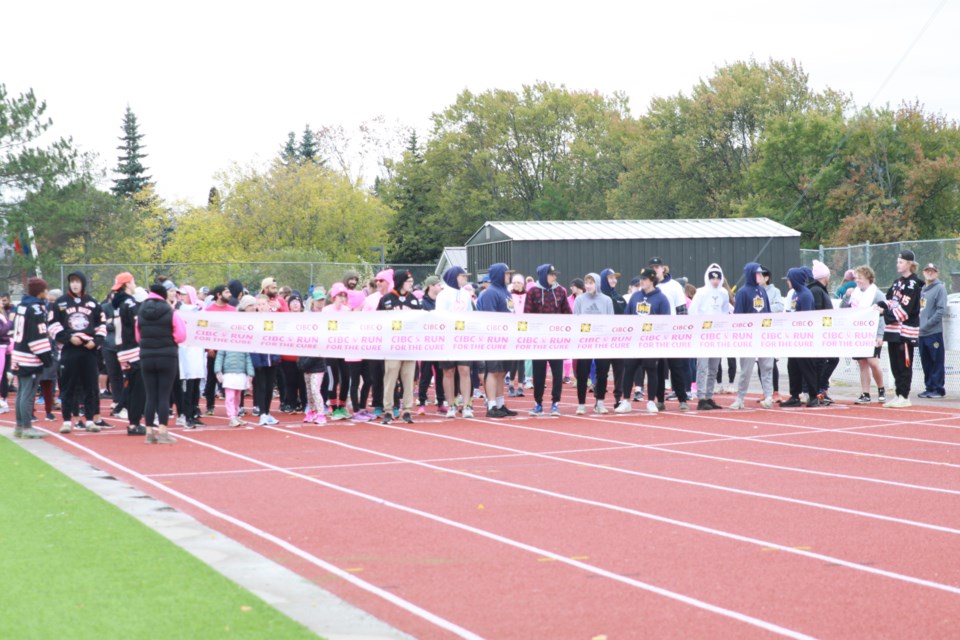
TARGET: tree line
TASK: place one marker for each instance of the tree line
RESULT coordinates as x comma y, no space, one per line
753,139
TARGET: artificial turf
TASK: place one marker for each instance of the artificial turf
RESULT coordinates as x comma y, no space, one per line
74,566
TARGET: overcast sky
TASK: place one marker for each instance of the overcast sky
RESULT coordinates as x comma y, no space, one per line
213,83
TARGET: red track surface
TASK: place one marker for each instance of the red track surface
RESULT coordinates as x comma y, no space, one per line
830,522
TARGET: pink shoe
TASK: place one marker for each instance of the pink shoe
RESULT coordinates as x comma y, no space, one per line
310,416
319,418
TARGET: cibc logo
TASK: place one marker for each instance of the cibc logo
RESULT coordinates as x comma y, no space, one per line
433,326
521,326
767,322
307,327
332,325
827,321
708,324
241,327
627,329
459,325
802,323
647,327
584,328
560,327
681,327
268,325
862,323
397,325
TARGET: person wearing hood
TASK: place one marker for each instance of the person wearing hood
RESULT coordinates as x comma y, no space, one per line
497,299
902,332
776,306
801,371
822,301
455,297
400,298
77,324
432,370
128,350
31,353
710,299
933,304
752,298
160,329
592,302
546,296
677,367
608,286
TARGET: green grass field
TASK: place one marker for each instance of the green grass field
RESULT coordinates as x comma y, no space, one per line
74,566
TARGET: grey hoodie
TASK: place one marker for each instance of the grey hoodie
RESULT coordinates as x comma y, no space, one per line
933,304
596,304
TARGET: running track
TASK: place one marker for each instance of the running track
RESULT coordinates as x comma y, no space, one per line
836,522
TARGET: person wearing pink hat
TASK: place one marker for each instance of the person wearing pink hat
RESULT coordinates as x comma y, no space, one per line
399,299
373,370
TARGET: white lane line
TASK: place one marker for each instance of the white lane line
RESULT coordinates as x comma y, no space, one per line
594,503
283,544
540,552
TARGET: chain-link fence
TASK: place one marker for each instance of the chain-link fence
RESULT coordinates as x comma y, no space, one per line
296,275
882,258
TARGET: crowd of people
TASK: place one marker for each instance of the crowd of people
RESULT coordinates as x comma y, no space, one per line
66,350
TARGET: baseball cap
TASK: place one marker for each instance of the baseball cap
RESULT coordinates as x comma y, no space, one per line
430,281
932,267
552,271
655,261
648,274
635,281
906,254
121,279
266,282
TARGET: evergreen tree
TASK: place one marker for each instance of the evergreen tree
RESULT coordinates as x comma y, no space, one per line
129,166
308,146
409,195
289,154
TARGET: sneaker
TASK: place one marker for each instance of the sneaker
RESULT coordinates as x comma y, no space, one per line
581,410
900,402
421,410
928,394
814,402
263,421
340,413
767,403
661,406
652,407
537,411
468,412
863,399
737,404
319,418
881,394
51,417
29,433
794,401
704,405
271,420
377,412
151,438
386,419
235,422
554,409
713,404
600,408
684,406
191,424
396,412
136,430
122,414
165,438
197,422
182,421
638,395
507,412
624,407
407,418
451,412
92,427
511,392
495,412
255,412
210,413
824,399
241,412
672,396
528,384
520,392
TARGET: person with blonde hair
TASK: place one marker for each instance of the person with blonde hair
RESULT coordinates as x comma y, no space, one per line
863,296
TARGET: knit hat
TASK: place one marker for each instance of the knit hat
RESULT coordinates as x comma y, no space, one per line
849,275
36,286
820,270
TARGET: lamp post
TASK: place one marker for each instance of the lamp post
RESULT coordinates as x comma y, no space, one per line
383,256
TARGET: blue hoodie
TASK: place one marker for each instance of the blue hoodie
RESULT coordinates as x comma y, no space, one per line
450,277
802,298
751,297
619,304
496,297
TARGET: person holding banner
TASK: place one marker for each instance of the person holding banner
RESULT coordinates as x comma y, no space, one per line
608,286
803,372
373,369
752,298
401,298
710,299
863,296
647,301
497,299
592,302
455,297
546,296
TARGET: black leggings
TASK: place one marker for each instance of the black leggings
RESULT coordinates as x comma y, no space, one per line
79,372
264,380
159,373
356,372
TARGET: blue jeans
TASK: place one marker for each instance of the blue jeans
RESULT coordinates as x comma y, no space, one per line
932,356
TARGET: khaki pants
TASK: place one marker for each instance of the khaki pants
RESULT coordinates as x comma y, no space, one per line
406,370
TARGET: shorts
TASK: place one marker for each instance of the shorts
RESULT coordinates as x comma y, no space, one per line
876,353
453,364
499,366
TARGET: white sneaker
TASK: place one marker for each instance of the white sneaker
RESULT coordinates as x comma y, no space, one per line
67,427
737,404
123,415
581,409
235,422
624,407
452,412
263,420
767,403
467,412
4,407
271,420
891,402
600,408
898,402
804,398
91,427
652,407
182,421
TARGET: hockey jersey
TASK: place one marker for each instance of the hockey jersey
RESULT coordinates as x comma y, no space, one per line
31,344
77,316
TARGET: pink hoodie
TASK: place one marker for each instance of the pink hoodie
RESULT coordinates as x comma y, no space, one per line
370,304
